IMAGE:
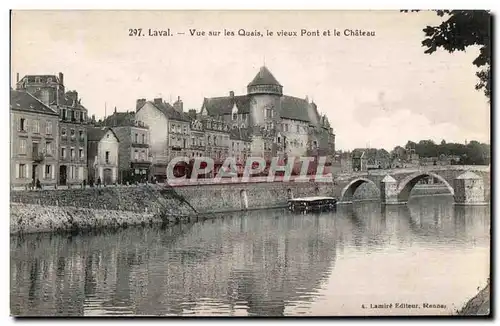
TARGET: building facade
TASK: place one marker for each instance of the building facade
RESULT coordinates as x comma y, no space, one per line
73,117
34,141
279,125
169,131
102,158
134,161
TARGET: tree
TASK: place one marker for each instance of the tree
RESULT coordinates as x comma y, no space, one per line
462,29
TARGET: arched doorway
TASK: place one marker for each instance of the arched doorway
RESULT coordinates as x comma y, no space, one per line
63,175
108,176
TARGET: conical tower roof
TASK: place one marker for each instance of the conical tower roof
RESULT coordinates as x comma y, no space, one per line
264,77
264,83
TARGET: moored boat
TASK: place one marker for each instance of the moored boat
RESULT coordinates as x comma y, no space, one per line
312,204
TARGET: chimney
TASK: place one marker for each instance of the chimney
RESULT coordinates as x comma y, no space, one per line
115,109
158,101
192,113
17,78
61,78
73,95
178,105
307,99
231,94
140,103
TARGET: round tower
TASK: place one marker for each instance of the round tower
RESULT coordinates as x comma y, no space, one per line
265,93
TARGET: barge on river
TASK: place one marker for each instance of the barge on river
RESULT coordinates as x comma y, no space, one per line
312,204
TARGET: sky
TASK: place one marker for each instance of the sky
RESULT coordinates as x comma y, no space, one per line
377,91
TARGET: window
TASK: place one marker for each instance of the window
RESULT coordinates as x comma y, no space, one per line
22,171
63,152
22,124
37,79
298,128
193,141
215,140
136,138
64,114
81,134
72,151
72,115
81,153
185,129
232,145
72,132
82,117
143,155
48,128
143,138
136,155
22,146
48,171
77,115
63,132
107,157
208,140
235,116
48,147
36,126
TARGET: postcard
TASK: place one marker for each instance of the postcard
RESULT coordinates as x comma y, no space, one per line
250,163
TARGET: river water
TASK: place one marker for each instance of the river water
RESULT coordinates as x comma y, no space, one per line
356,261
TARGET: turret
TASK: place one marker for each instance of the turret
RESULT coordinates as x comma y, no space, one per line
264,83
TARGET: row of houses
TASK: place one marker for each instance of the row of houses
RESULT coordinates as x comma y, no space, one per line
56,143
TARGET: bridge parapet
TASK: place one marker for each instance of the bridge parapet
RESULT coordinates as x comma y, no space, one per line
395,185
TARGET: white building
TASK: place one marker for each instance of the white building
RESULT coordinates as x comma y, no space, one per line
102,155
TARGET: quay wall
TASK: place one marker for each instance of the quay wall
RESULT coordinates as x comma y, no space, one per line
114,206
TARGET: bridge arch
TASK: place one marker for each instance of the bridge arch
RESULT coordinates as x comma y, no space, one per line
348,191
406,185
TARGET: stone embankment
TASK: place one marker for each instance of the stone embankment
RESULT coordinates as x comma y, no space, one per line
119,206
80,209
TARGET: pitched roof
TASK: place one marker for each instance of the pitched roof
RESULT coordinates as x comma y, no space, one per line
370,153
96,133
24,101
294,108
120,119
68,101
168,110
264,77
225,104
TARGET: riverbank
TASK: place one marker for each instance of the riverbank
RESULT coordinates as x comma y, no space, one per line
479,305
121,206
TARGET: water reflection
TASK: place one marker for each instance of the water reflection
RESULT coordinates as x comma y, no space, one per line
266,263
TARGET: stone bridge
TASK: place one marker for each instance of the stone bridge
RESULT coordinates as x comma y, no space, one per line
470,185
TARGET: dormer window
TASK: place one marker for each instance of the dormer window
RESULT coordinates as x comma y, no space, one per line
37,79
49,79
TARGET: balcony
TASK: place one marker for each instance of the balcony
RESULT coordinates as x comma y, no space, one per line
37,157
139,145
